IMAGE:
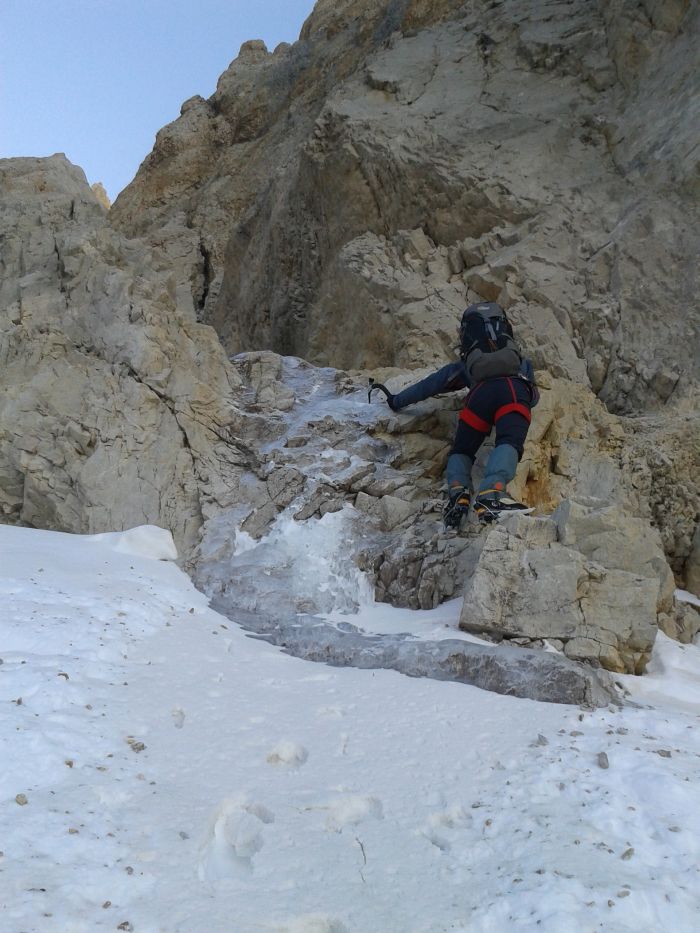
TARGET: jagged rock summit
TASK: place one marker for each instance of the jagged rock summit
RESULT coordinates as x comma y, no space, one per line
339,201
98,189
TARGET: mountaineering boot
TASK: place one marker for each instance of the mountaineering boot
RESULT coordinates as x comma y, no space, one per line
457,507
490,503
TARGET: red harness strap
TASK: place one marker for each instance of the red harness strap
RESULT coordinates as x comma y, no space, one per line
479,424
474,421
515,405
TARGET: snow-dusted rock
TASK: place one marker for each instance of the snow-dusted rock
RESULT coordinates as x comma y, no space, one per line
514,671
682,624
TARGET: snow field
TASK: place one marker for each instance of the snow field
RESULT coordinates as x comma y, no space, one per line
180,776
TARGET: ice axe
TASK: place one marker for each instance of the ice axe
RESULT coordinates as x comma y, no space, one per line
382,388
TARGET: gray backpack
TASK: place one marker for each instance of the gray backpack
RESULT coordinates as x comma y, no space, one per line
487,347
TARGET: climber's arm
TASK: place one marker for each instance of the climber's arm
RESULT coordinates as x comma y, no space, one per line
449,378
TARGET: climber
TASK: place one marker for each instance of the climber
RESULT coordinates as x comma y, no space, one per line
502,392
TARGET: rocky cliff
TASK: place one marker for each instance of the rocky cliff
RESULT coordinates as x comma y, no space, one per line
353,191
340,200
548,155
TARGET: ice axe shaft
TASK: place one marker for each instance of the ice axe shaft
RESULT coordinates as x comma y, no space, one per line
377,385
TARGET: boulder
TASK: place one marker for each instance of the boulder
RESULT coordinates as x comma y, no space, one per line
394,511
262,372
683,624
592,579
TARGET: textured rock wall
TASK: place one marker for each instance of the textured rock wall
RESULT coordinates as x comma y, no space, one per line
117,407
347,195
590,580
443,118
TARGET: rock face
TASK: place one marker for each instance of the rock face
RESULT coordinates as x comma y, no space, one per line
117,406
591,581
693,564
341,199
347,195
404,158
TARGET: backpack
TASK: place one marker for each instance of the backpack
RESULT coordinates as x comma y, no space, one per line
487,347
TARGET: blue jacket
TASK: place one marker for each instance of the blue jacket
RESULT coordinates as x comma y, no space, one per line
450,378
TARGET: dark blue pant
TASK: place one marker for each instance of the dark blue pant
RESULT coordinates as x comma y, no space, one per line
504,402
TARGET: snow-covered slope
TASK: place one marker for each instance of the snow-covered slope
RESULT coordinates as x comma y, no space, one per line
162,771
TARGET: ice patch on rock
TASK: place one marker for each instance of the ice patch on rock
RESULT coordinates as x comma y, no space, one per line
244,542
285,587
683,596
299,567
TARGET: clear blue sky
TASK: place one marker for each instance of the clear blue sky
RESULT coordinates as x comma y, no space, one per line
97,79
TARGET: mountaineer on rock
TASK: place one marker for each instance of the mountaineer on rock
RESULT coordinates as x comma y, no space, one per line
502,392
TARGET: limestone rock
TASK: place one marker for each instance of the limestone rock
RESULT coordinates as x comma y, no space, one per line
617,542
660,460
511,671
322,209
98,189
117,405
585,577
376,147
262,372
683,624
393,511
